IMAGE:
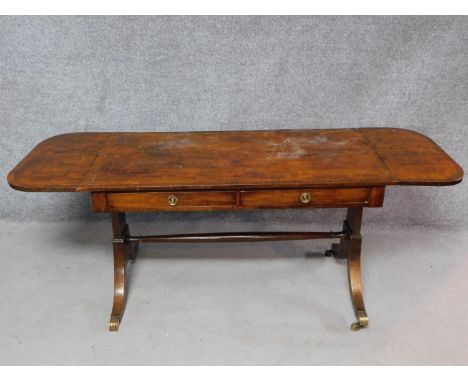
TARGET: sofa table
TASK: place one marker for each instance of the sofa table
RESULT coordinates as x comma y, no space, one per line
235,170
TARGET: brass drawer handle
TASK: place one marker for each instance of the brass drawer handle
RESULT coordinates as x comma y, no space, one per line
172,200
305,197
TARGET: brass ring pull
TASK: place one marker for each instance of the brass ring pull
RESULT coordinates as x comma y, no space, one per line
172,200
305,197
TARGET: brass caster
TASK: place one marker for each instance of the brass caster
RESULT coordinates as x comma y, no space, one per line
362,322
114,323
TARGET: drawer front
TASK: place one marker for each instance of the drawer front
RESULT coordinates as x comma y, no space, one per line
163,201
229,200
323,197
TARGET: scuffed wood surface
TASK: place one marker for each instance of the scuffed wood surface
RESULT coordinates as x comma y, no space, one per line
234,160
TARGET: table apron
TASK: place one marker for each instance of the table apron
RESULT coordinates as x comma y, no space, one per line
148,201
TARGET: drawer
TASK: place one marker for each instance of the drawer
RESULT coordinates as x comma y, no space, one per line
319,197
228,200
163,201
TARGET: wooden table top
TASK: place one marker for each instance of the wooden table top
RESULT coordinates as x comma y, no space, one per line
234,160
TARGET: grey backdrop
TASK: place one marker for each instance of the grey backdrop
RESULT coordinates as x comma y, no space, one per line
64,74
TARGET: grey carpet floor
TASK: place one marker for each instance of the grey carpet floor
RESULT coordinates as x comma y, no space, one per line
278,303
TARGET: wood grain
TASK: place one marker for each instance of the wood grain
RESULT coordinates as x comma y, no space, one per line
412,158
235,200
158,201
58,163
234,160
328,197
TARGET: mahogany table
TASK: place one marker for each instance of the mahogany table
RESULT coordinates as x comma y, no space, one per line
236,170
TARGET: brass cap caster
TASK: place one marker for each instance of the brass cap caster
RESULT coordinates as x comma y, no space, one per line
114,323
362,322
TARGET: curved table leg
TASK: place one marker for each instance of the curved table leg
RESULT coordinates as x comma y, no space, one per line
123,251
355,284
120,286
350,248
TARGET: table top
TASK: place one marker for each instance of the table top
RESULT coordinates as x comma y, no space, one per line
216,160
